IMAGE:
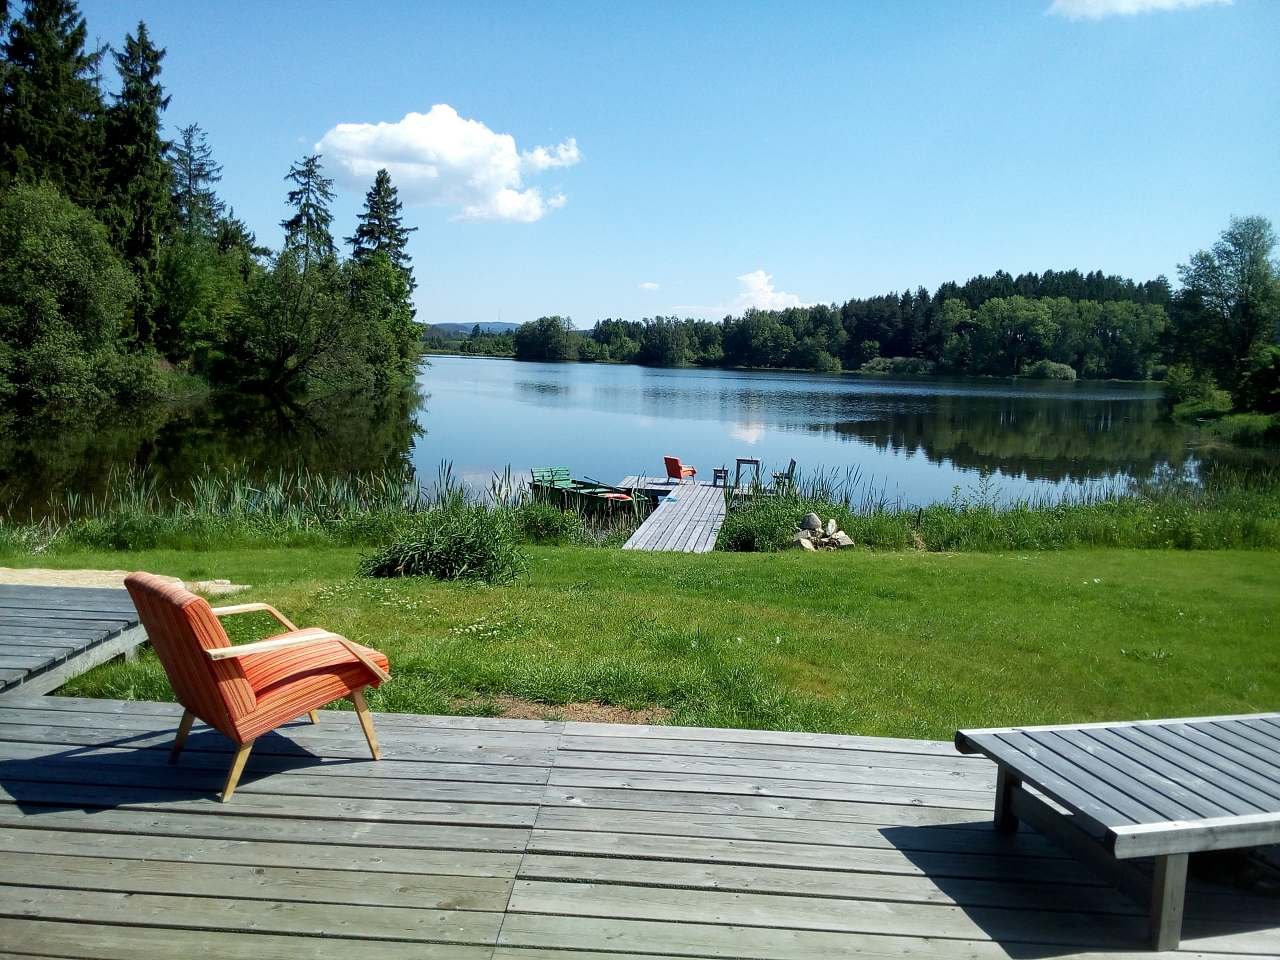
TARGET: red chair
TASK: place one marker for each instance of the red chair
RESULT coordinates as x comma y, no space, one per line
251,688
676,470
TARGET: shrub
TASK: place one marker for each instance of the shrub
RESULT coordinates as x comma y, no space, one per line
544,523
910,366
457,542
766,523
1048,370
1183,384
1260,386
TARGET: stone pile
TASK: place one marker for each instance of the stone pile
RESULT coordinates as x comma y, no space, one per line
815,535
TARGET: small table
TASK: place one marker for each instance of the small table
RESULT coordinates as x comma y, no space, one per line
745,462
720,477
1152,788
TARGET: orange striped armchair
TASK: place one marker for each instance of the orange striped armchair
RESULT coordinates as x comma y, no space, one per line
249,689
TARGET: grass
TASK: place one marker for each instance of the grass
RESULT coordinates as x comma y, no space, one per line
897,644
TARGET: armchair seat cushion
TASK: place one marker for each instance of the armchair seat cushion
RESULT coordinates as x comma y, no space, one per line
290,681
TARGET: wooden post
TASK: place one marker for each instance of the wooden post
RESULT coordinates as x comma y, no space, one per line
1006,784
1168,893
184,727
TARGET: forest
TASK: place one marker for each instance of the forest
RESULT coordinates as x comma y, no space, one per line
1219,329
126,277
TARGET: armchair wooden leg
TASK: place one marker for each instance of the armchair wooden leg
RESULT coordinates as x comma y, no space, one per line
237,768
184,728
366,722
314,715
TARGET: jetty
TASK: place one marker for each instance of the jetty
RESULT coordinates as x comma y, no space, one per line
687,519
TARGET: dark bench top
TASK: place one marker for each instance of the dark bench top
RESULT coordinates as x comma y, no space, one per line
1152,787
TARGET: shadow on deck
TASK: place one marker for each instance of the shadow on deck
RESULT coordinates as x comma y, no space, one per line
532,840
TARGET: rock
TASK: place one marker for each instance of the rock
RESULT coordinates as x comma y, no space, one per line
840,539
803,535
801,543
811,521
831,528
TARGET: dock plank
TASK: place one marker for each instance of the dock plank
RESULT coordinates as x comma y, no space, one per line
688,520
484,838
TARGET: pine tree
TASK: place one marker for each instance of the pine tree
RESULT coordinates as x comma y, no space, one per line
307,231
50,108
196,206
136,202
381,229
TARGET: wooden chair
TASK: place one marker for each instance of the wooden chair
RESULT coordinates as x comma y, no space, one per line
783,481
249,689
677,471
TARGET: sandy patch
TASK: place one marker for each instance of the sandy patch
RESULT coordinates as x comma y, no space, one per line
515,708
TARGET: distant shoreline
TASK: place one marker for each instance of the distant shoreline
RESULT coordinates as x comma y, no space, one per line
923,377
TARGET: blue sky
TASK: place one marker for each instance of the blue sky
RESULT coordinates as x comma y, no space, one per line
729,154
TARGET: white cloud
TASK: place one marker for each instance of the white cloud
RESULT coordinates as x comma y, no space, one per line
648,285
758,291
1098,9
442,158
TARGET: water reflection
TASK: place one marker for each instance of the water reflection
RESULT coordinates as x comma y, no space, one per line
43,462
915,440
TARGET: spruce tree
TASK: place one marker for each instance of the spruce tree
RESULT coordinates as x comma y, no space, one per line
50,108
136,202
381,229
307,231
196,206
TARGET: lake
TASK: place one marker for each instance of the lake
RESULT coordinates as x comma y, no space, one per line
914,441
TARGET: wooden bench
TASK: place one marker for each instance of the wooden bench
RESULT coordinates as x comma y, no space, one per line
1162,789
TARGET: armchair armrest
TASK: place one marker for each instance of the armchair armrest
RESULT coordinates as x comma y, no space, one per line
255,608
296,639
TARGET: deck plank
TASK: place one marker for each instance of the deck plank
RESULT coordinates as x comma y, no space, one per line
50,634
477,837
685,521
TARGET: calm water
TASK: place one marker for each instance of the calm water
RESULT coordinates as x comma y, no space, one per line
914,440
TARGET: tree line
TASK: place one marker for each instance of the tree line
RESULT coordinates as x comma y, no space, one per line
1219,328
123,272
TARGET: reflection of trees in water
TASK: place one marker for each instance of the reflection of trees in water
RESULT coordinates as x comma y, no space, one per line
1041,439
41,463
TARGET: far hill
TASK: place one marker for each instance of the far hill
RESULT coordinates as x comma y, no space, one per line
454,329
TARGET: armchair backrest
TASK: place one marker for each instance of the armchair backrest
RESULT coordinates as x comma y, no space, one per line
181,627
675,469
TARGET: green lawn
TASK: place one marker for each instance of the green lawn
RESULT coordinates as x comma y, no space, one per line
901,644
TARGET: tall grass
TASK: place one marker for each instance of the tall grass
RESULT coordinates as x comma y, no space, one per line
1225,507
235,507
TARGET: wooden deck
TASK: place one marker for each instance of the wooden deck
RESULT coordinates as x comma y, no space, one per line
50,634
687,520
528,840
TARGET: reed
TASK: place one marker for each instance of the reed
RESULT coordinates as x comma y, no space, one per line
1226,506
239,506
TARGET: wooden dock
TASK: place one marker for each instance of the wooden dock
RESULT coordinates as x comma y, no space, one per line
686,520
486,839
50,634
